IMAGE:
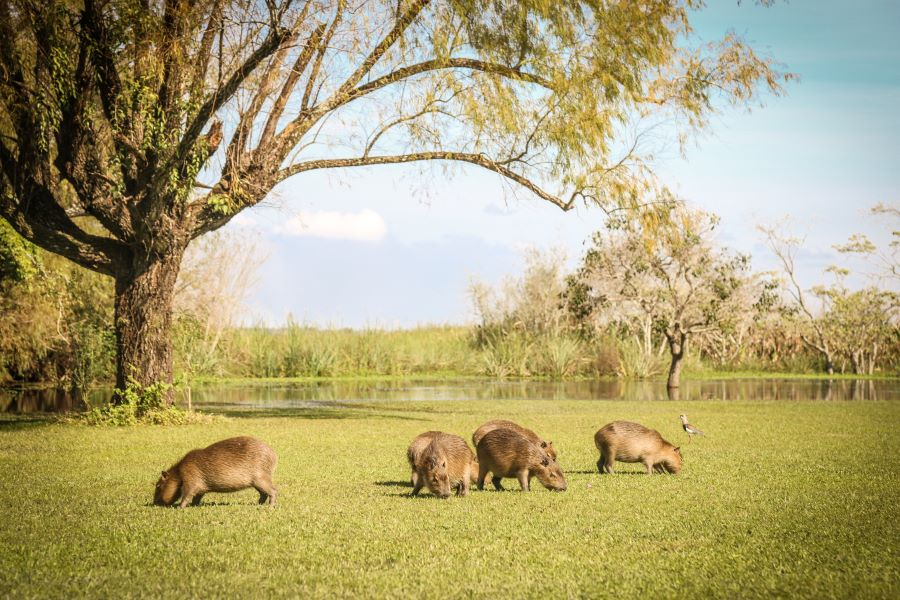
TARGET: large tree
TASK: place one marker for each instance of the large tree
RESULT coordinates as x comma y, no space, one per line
129,128
671,278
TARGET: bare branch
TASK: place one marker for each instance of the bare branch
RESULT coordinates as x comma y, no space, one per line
475,159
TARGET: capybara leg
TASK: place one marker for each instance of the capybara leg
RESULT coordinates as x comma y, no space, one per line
609,464
186,498
416,487
414,479
463,489
267,490
649,467
600,464
197,499
497,485
482,473
523,480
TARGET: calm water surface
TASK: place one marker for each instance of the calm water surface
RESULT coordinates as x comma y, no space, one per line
286,396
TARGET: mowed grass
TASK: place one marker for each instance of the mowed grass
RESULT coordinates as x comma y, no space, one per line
781,499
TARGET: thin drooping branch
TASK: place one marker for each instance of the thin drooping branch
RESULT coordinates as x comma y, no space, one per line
449,63
475,159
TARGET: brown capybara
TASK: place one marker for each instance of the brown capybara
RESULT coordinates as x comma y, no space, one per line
629,442
227,466
508,453
445,463
504,424
418,446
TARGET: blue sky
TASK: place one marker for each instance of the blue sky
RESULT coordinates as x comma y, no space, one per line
396,246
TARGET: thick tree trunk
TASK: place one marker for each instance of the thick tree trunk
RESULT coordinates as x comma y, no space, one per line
143,320
677,347
674,379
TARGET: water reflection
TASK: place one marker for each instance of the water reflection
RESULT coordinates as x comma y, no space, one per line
310,395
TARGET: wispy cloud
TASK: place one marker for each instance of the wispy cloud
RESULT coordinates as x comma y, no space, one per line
365,225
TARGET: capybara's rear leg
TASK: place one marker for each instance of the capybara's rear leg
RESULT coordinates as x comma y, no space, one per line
523,480
609,463
482,473
497,483
197,499
267,491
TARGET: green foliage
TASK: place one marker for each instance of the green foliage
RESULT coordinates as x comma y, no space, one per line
55,317
760,510
140,405
506,355
19,259
635,362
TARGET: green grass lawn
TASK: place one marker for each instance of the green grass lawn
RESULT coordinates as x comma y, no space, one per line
796,499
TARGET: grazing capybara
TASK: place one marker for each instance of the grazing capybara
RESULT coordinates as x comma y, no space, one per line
445,463
418,446
629,442
227,466
508,453
504,424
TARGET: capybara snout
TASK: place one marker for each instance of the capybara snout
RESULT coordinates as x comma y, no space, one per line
227,466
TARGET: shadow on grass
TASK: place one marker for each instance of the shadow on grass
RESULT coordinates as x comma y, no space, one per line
594,472
20,422
332,411
405,484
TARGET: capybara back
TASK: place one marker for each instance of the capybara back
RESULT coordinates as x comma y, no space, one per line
504,424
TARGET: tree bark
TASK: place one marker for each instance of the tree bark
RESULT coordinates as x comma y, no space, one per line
677,347
143,320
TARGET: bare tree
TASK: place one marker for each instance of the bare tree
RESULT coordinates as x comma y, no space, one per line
785,249
161,120
670,277
215,279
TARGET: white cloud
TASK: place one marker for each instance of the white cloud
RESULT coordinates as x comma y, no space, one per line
366,225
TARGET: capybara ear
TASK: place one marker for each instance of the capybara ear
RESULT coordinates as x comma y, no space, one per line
544,444
444,465
164,474
678,449
545,460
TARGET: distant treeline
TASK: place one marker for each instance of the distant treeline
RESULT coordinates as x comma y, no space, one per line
637,307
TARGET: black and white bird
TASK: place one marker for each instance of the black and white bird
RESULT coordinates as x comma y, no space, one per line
688,428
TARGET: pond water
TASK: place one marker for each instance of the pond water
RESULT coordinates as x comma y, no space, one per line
286,396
